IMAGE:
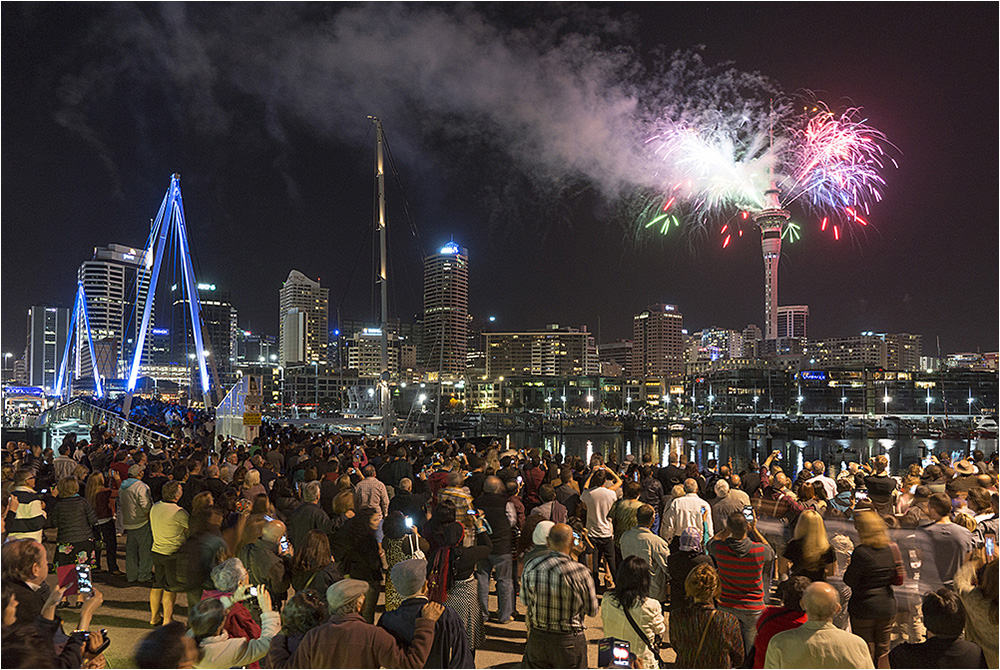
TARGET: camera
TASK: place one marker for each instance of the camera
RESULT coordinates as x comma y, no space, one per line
409,522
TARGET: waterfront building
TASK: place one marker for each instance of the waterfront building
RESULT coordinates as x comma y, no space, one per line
48,328
751,339
614,358
446,311
857,351
216,331
116,282
303,320
554,351
364,353
657,343
902,350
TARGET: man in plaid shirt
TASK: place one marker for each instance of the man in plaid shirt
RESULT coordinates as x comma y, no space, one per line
558,592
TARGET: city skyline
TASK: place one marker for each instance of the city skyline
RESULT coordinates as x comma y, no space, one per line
264,207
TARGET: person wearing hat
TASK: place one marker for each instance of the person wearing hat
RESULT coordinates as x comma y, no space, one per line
348,641
539,539
135,500
451,646
965,475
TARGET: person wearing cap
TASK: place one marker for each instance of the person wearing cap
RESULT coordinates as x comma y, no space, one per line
558,593
451,646
135,500
539,540
348,641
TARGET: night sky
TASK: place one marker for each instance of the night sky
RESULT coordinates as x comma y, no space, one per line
503,123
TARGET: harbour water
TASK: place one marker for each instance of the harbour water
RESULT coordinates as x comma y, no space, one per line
838,452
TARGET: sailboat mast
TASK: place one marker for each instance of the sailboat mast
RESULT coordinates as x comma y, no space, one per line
384,404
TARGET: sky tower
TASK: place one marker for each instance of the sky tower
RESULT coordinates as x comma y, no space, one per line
771,219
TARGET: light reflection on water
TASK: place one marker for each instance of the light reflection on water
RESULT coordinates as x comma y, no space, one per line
901,452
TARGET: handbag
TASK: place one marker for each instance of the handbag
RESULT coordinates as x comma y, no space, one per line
642,636
415,551
900,575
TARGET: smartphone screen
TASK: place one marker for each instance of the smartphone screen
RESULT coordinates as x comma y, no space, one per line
84,585
253,591
748,512
283,543
621,653
991,545
861,495
409,522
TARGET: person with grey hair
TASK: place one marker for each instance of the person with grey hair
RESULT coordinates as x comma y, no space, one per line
413,505
221,650
348,641
689,510
451,645
231,581
818,643
307,516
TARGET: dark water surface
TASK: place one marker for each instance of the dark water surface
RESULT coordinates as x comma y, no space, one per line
837,452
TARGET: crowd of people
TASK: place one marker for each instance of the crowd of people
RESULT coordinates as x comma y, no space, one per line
283,550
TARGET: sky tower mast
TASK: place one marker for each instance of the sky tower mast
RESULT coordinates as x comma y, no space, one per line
771,220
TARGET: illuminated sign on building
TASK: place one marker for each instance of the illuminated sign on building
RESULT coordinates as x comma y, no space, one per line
36,391
819,376
450,248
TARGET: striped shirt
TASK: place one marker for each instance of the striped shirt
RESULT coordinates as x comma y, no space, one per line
558,593
29,519
740,564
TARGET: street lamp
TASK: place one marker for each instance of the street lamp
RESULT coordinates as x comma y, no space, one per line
800,399
590,403
929,400
970,401
756,399
843,404
886,399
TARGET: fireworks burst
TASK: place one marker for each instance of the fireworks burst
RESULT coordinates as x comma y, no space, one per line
715,168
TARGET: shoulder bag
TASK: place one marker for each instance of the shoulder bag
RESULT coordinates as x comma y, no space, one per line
642,636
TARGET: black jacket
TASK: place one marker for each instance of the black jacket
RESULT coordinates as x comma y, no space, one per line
495,507
74,519
308,516
267,567
451,645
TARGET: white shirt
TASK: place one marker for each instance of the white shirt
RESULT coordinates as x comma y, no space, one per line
828,484
599,501
683,512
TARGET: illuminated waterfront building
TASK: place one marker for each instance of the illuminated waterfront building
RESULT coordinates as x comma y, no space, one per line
303,321
657,342
446,311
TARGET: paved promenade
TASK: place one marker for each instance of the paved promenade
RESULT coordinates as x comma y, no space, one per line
125,613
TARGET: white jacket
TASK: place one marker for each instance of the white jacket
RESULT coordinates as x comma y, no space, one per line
134,503
222,651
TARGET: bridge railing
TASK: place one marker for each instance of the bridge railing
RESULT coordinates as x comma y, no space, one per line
81,410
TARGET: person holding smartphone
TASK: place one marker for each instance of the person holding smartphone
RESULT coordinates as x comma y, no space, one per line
74,519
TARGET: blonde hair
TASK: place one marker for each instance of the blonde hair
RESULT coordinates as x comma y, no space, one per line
251,479
871,529
68,486
811,532
95,483
702,583
966,521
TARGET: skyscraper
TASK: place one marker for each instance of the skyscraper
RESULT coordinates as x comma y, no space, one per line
771,220
303,321
116,281
446,310
216,316
48,328
658,343
793,321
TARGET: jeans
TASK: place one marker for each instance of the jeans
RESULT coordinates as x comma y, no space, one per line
556,650
604,546
748,624
139,554
503,565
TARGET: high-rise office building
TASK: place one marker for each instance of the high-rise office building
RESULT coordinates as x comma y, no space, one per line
551,352
303,320
364,353
793,321
116,281
216,317
751,341
48,328
658,343
446,311
614,357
